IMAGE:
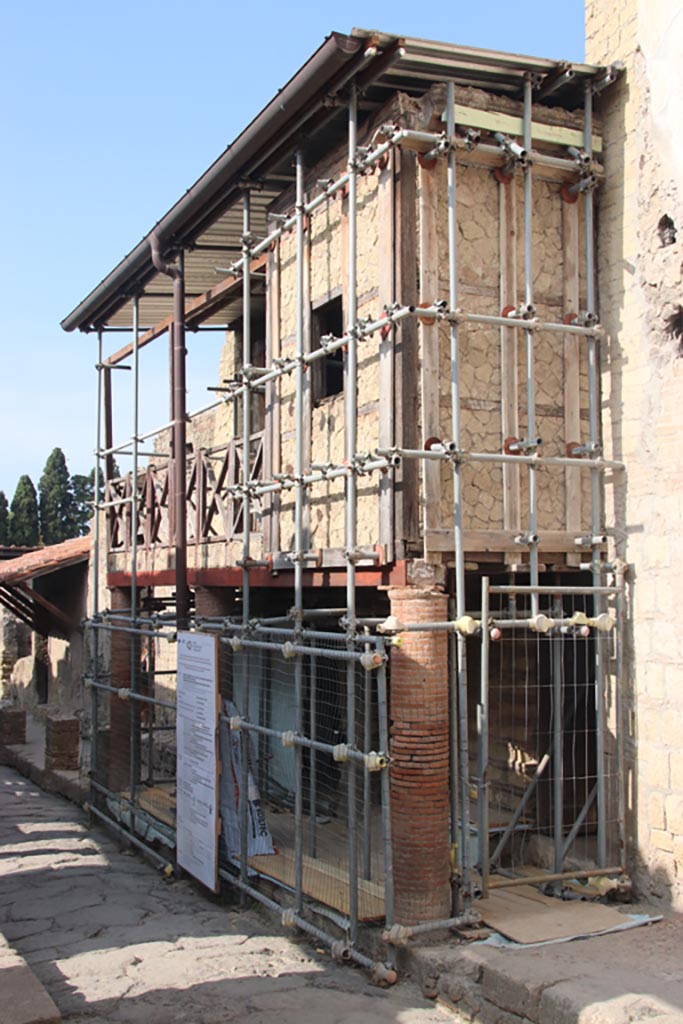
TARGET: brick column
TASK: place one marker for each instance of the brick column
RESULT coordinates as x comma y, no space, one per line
213,601
420,759
118,774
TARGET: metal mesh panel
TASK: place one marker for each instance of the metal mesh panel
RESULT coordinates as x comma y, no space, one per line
309,719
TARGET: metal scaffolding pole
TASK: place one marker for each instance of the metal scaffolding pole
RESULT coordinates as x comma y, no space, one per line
596,483
299,553
529,336
350,425
483,737
134,509
243,808
94,699
463,741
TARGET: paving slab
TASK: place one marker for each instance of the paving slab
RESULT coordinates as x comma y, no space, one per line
112,941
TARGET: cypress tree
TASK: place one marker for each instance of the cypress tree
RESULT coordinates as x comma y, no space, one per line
4,519
82,488
23,520
56,500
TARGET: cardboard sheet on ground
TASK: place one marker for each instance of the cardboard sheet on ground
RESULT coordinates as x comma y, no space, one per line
525,915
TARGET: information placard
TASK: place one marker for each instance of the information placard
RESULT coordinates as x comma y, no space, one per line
197,757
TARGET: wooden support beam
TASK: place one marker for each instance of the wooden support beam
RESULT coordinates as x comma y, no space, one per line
271,429
52,610
387,295
12,606
196,310
406,507
509,391
572,365
500,541
429,337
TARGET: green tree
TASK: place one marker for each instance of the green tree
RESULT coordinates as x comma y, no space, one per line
56,500
4,519
82,488
23,514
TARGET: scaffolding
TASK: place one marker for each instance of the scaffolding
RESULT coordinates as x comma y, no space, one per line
306,696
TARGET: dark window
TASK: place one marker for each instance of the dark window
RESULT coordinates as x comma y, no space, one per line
328,372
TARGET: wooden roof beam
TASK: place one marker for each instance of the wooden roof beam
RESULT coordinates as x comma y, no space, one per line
195,311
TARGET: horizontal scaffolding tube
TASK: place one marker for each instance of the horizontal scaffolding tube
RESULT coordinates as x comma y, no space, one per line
265,645
160,861
129,694
536,460
297,740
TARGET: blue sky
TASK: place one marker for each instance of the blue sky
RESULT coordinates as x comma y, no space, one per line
92,95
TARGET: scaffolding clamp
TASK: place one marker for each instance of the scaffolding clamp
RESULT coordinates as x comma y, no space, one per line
288,918
371,660
289,650
541,623
515,153
235,723
577,451
468,139
375,762
526,539
289,738
123,692
340,752
390,625
235,643
466,625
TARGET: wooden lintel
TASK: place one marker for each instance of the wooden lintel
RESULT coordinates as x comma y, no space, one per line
195,311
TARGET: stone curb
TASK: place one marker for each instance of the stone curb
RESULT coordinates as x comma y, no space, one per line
24,999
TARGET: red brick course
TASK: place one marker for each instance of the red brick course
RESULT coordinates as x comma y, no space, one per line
420,759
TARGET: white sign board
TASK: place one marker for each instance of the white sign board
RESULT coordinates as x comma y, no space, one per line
197,757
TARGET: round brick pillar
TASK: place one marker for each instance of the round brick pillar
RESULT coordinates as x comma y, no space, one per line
211,602
420,760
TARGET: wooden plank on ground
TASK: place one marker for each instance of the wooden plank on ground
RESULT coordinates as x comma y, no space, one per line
526,916
323,882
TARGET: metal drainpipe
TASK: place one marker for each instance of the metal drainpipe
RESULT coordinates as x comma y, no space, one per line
176,273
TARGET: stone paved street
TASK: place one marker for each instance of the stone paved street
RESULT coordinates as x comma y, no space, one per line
113,942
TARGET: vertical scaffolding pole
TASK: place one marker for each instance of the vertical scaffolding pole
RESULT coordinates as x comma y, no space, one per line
179,443
367,789
313,758
246,403
134,512
383,728
558,742
299,530
529,337
94,705
596,486
246,525
483,739
460,604
350,410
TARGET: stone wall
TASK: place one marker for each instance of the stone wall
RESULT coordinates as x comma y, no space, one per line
640,291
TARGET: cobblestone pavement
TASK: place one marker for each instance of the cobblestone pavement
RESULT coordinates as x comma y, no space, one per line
113,942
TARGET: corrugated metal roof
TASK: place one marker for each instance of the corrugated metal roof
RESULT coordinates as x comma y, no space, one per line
209,214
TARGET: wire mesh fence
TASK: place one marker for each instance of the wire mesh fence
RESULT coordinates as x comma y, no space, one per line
349,780
546,737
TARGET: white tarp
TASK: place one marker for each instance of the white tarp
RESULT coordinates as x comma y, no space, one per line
259,840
